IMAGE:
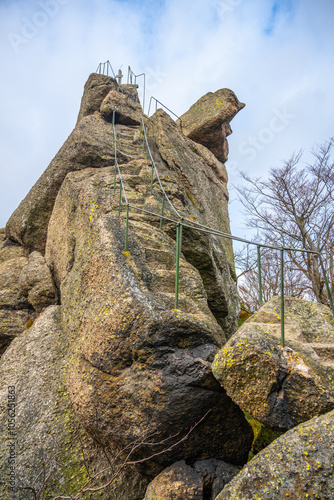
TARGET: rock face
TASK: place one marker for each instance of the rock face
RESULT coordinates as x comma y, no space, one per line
208,121
128,110
96,89
37,424
16,312
281,387
297,465
198,170
36,283
136,371
215,475
139,366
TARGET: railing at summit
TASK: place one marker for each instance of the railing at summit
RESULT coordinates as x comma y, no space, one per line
132,79
104,68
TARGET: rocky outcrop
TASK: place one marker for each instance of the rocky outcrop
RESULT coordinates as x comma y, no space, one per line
37,426
297,465
208,121
89,145
36,283
136,370
281,386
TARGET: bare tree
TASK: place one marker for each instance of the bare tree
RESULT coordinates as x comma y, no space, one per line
293,208
295,282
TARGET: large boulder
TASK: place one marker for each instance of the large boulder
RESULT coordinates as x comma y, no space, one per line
43,446
96,89
297,465
215,475
128,110
281,386
208,121
177,482
36,283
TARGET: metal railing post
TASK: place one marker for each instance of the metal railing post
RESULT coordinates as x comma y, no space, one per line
115,178
126,227
162,209
282,298
327,285
177,269
120,198
152,173
259,274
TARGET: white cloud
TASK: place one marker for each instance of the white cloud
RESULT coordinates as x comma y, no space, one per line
273,60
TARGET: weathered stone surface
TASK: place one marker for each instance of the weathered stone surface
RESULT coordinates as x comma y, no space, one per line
297,465
215,474
281,387
201,182
207,121
13,323
10,296
128,110
138,366
96,88
46,430
36,283
16,314
177,482
9,249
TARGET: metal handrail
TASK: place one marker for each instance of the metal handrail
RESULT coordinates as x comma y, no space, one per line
188,223
105,65
131,75
122,188
156,170
163,105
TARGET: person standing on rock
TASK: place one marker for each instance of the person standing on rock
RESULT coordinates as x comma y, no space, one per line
119,76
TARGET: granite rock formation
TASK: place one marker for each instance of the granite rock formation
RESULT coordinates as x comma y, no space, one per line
135,372
26,288
297,465
208,121
281,386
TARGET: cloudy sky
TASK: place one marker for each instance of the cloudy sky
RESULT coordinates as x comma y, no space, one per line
277,56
